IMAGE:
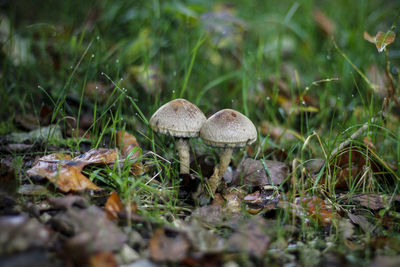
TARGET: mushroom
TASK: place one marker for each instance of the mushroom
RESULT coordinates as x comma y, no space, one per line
227,129
180,119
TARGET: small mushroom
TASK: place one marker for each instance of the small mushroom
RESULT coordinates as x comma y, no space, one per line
180,119
227,129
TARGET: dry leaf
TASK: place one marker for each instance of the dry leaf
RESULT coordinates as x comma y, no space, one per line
317,209
167,245
127,142
260,172
381,39
113,206
375,201
66,173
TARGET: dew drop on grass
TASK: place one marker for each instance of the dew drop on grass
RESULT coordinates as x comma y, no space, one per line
328,57
303,102
97,87
117,61
98,37
92,55
173,91
135,99
102,73
175,73
70,67
307,88
268,98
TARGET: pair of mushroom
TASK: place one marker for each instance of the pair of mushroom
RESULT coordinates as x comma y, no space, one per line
226,129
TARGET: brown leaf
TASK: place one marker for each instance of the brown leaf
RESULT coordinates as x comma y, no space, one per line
127,142
324,22
113,206
317,209
66,173
167,245
253,172
381,39
362,222
375,201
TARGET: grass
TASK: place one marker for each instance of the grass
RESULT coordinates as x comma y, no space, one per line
264,61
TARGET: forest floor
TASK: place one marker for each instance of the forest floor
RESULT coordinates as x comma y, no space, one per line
87,180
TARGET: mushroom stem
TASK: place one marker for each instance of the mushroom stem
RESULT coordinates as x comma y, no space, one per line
182,145
224,160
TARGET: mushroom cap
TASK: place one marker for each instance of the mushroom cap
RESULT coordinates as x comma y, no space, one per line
178,118
228,128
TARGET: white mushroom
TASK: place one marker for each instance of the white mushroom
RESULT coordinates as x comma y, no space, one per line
180,119
227,129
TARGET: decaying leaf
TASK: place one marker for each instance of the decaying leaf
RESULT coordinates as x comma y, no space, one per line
317,209
381,39
260,172
262,200
130,147
362,222
128,144
375,201
66,173
113,206
167,245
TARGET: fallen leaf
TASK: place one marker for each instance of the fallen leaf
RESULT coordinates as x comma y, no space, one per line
113,206
317,209
167,245
381,39
127,143
362,222
260,172
375,201
130,147
66,173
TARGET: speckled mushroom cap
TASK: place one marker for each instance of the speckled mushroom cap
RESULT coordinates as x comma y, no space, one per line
179,118
228,128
